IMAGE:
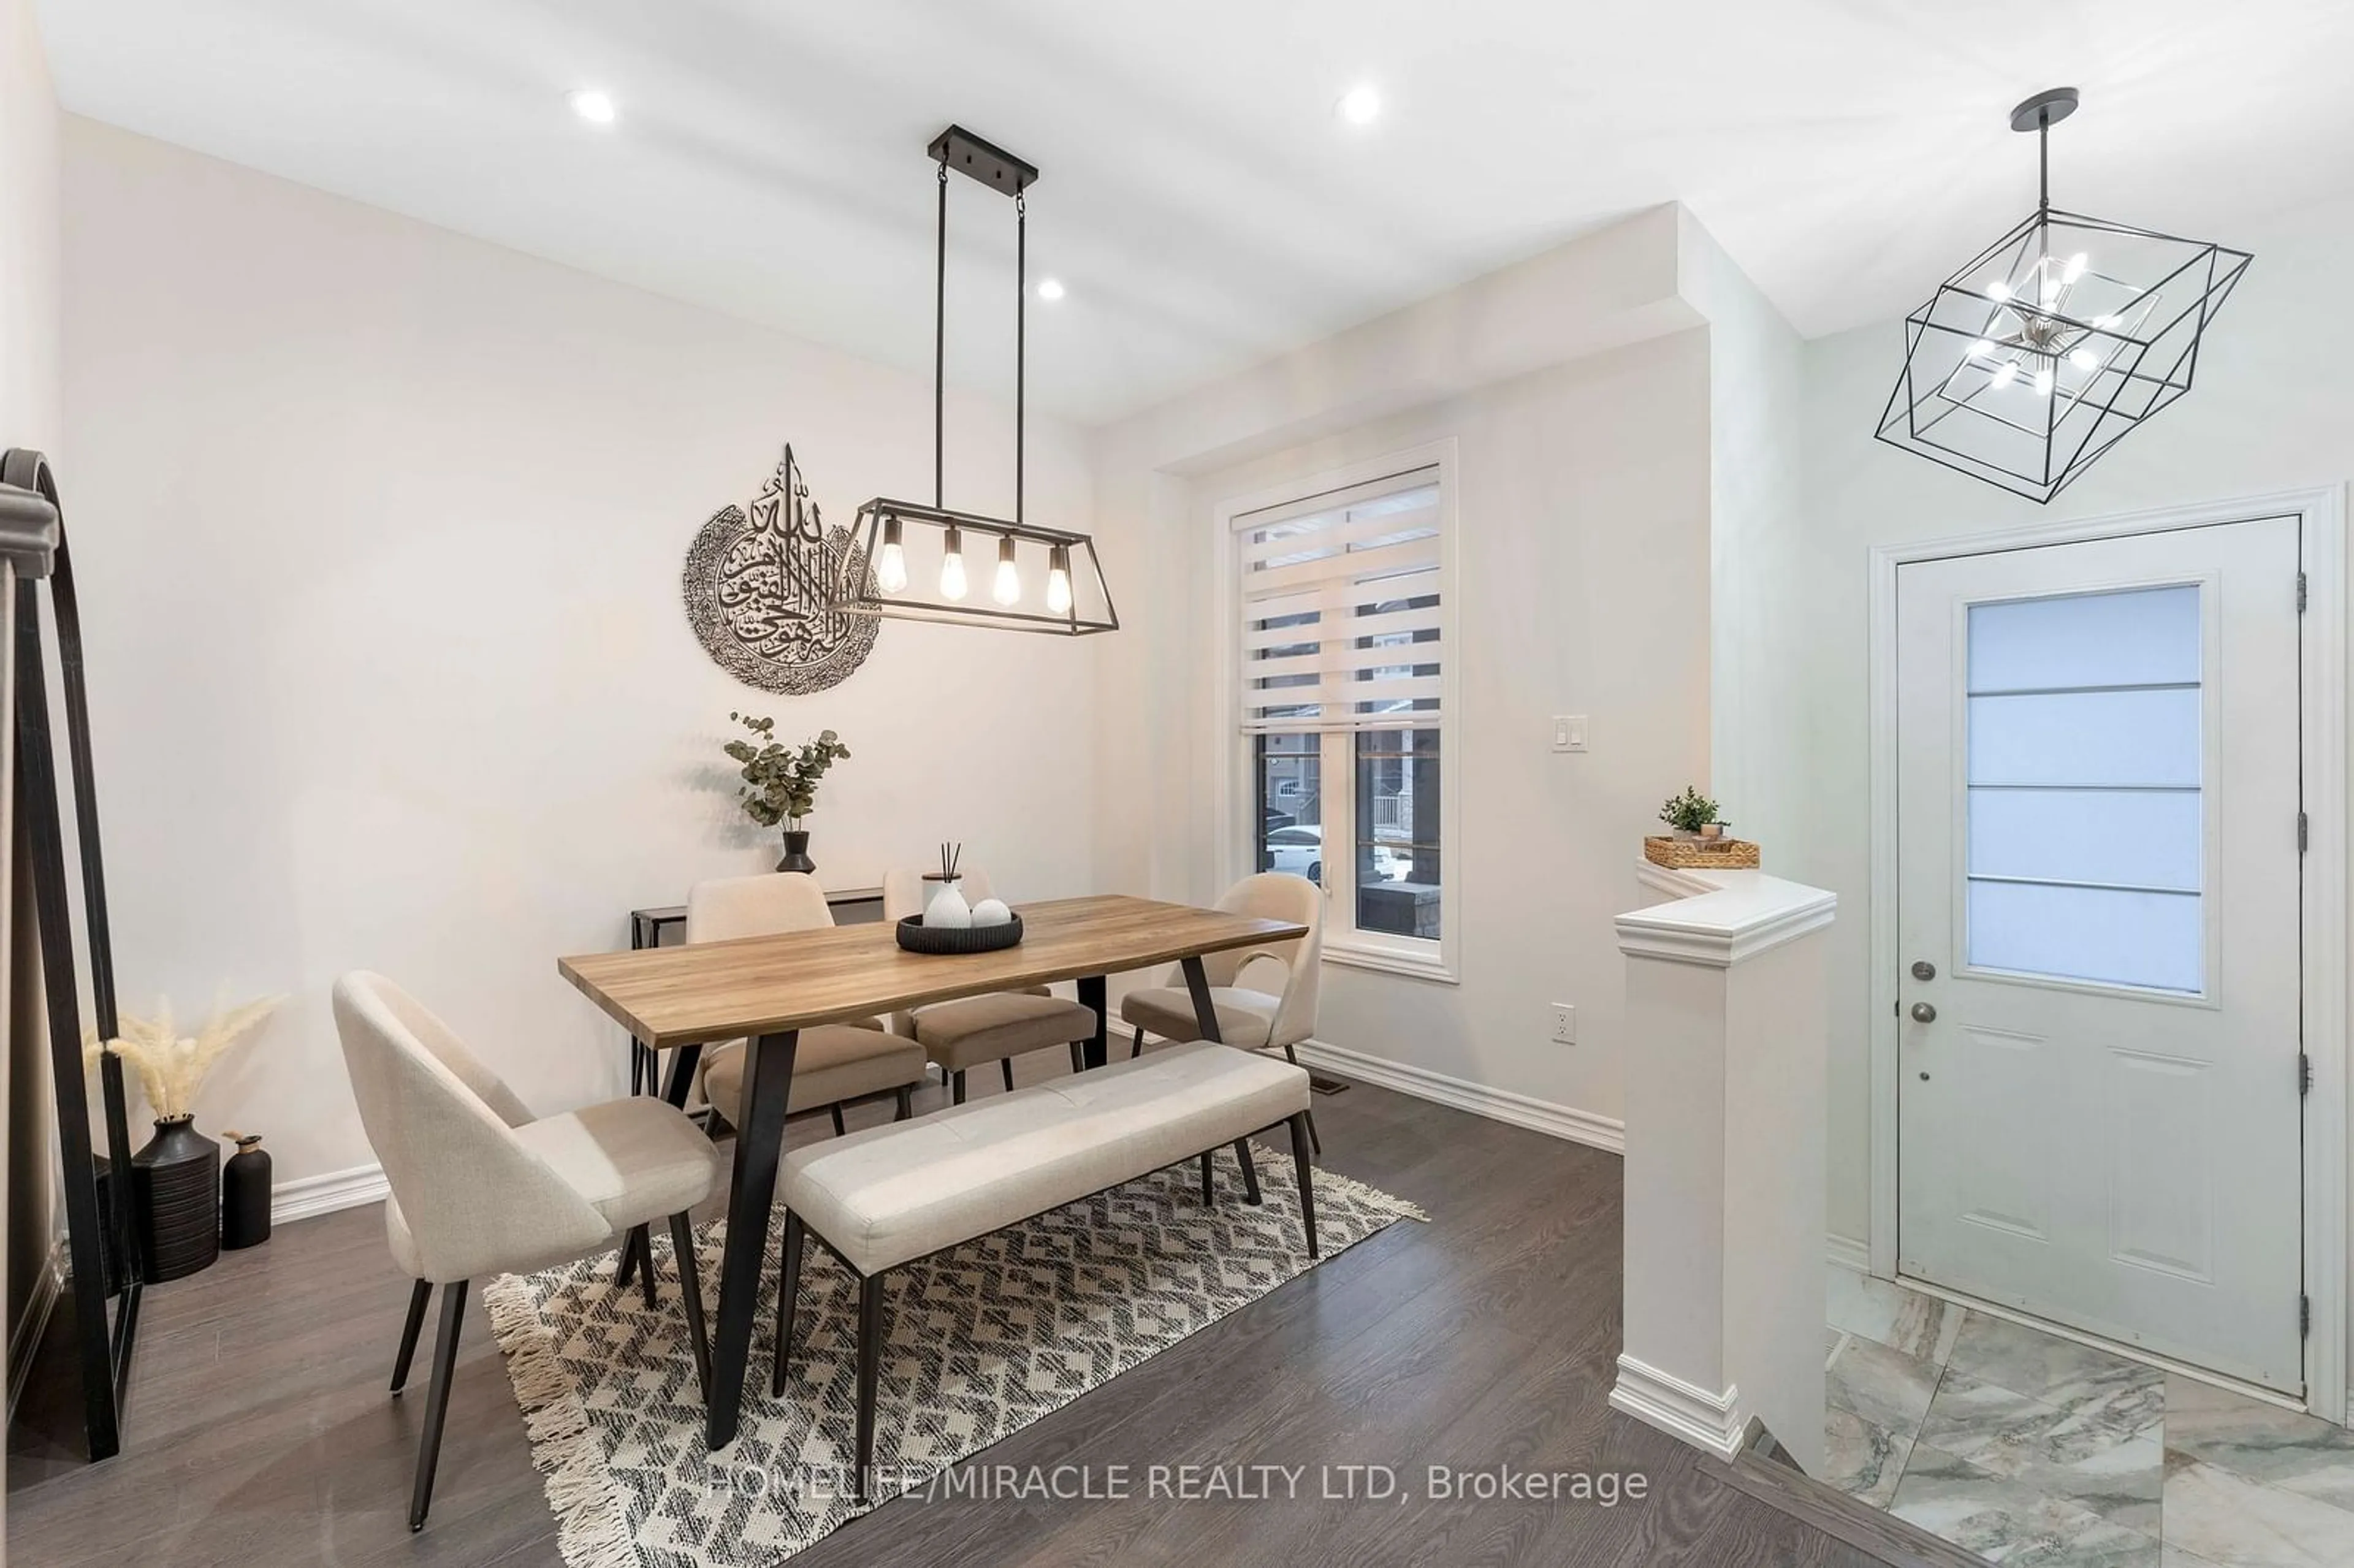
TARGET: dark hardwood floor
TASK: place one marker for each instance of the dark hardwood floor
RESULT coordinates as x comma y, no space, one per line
259,1431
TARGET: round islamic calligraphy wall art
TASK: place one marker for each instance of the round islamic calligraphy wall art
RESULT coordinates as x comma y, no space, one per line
756,586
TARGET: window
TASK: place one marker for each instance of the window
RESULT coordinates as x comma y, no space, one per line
1342,665
2087,845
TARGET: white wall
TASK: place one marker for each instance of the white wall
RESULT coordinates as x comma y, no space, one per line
28,234
2272,410
1583,518
1756,556
1581,506
380,531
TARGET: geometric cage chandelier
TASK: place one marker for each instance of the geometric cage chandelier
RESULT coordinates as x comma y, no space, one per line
910,560
2057,341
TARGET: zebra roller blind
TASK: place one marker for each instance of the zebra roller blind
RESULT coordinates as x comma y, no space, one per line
1340,618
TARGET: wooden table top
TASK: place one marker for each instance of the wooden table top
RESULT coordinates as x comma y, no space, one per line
764,985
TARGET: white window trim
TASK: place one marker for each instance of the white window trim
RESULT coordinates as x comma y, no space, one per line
1343,943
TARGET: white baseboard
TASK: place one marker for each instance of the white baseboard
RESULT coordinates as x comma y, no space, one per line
1849,1253
1705,1420
1497,1105
27,1340
325,1195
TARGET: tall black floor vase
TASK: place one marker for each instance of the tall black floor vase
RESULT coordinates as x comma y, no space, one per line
177,1180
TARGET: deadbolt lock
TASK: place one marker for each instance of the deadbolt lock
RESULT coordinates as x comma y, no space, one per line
1923,970
1923,1014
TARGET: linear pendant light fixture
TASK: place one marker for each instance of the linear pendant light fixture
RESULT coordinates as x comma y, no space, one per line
2057,341
912,562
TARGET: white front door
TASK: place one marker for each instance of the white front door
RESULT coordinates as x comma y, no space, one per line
2098,926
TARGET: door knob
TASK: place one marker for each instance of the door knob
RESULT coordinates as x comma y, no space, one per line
1923,1014
1923,970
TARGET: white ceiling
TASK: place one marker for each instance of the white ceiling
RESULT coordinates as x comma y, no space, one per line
1199,196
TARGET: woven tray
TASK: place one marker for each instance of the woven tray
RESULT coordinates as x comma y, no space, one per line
1706,855
916,937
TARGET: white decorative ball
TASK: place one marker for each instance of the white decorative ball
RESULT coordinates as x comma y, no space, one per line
947,911
990,912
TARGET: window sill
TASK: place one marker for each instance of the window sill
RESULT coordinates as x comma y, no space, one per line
1390,961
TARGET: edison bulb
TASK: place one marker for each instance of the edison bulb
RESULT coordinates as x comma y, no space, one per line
2008,374
891,566
1058,586
953,584
2043,382
2082,358
2076,268
1983,347
1008,588
1997,289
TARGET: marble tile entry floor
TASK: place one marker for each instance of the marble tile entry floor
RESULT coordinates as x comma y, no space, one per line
2037,1452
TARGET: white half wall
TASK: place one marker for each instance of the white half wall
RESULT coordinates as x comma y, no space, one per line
380,531
2272,410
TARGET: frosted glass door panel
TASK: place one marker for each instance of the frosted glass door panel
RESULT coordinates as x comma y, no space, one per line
2149,940
2085,839
2130,838
2086,738
2085,640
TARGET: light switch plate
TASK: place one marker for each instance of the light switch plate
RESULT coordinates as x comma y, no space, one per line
1569,732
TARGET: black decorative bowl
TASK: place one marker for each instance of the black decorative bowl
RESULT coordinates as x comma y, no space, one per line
918,938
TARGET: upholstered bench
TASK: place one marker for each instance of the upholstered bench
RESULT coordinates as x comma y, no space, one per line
890,1195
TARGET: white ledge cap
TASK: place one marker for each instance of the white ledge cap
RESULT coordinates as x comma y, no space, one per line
1719,917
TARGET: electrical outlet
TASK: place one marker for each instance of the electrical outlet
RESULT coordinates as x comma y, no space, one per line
1565,1023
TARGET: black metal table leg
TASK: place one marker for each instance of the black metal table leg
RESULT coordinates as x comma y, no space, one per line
681,1073
1092,994
760,1141
1205,1011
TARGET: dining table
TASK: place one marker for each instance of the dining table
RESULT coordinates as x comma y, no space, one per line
766,989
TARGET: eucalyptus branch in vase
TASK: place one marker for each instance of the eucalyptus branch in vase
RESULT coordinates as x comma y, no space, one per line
781,781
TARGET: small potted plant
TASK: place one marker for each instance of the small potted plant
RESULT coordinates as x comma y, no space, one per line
780,782
1692,815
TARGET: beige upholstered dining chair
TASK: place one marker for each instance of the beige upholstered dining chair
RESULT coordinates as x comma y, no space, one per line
836,1062
481,1187
969,1031
1251,1019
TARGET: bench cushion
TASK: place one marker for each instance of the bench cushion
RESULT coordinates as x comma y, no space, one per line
891,1194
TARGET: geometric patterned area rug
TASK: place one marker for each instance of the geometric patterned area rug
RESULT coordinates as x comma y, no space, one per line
981,1340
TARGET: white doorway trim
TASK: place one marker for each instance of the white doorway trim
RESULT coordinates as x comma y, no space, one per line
2326,956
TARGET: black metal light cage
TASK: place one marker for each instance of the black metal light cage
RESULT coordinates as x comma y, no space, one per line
2033,360
882,522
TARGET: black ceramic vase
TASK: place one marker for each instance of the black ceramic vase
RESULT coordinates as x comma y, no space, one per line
245,1194
176,1193
797,853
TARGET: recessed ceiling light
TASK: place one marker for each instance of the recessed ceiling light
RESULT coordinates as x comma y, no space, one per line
1360,104
1050,288
591,105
